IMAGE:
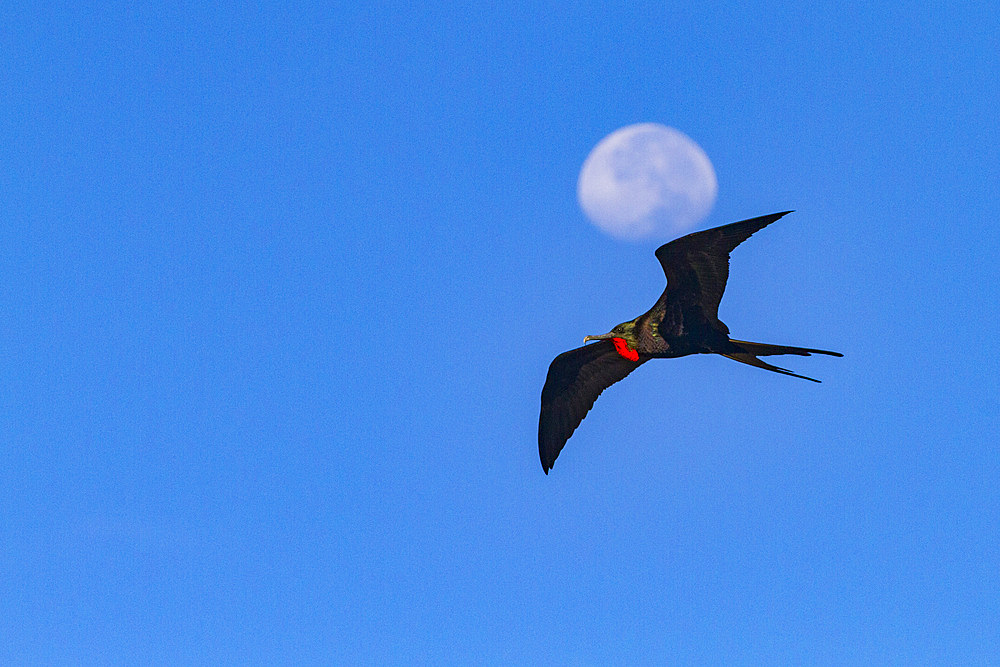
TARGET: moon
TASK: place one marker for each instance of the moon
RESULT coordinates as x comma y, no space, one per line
646,180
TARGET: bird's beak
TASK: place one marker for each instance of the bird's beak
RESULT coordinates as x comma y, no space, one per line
587,339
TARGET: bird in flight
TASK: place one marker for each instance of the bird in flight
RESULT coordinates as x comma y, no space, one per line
683,321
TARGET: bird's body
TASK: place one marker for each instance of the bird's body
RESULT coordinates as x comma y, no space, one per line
683,321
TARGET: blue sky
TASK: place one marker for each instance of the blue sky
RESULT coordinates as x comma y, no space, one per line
282,283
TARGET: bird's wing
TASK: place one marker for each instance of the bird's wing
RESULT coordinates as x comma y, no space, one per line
697,265
575,380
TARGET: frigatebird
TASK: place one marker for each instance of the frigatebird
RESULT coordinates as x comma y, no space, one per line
683,321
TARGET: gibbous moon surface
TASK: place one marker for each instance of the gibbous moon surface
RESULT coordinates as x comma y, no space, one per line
646,180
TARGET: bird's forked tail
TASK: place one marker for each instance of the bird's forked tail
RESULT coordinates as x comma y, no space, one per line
746,352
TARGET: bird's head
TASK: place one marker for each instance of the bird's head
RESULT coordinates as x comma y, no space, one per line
624,330
625,339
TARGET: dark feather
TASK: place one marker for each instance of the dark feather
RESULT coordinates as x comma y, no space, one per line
751,360
764,349
697,265
575,380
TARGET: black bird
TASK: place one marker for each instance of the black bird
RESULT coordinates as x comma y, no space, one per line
684,320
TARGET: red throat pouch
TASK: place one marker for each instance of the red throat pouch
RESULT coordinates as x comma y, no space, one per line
622,348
